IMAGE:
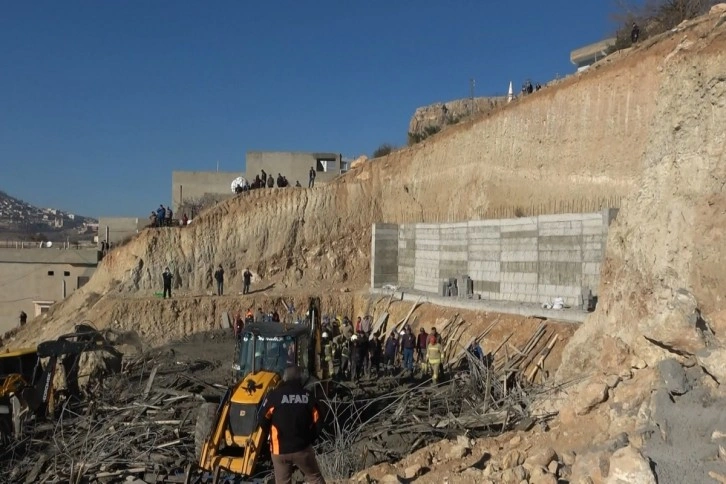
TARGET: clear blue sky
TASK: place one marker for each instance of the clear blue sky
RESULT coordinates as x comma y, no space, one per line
100,100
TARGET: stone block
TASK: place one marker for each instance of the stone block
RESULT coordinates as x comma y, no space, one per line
483,223
519,266
591,268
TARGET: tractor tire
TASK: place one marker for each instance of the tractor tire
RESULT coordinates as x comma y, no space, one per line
203,428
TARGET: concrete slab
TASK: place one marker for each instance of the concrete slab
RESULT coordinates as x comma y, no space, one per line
530,309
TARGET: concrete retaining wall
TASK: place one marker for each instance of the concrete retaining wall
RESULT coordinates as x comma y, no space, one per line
531,260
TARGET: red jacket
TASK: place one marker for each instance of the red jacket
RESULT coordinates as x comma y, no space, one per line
421,341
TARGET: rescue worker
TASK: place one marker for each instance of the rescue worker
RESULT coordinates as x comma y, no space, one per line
249,317
336,327
364,357
356,357
433,356
344,358
292,416
374,354
434,336
421,345
329,351
408,343
324,349
389,356
275,316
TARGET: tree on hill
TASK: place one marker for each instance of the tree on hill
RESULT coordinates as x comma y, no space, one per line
383,150
654,16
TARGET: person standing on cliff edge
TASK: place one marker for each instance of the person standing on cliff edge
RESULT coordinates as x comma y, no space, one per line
247,279
219,277
635,33
311,178
166,277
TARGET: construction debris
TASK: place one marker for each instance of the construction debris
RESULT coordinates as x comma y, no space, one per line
138,425
482,396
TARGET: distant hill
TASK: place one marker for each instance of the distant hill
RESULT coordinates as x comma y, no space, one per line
21,220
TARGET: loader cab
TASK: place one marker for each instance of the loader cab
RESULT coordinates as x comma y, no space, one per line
17,369
273,347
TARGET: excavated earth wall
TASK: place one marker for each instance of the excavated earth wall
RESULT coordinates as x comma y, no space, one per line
647,125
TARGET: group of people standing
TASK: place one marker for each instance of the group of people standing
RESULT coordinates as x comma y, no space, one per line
164,217
351,352
166,278
264,180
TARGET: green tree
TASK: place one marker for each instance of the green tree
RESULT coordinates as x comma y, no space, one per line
383,150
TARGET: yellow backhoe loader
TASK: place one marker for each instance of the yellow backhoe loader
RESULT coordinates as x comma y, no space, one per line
228,436
26,386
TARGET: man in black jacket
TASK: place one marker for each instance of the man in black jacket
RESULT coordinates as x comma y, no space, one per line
291,415
166,278
219,277
247,278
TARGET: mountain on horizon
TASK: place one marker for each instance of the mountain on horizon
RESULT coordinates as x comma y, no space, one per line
20,218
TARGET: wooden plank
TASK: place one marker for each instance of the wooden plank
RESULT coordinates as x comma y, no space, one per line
540,360
403,322
150,381
380,325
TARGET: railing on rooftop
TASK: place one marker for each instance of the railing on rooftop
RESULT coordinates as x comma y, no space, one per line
35,244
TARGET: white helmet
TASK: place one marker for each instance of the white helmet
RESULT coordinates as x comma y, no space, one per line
354,337
402,332
325,334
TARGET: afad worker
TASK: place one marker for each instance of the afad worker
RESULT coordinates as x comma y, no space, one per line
433,356
291,415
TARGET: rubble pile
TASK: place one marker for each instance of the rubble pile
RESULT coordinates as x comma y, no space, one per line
138,424
387,419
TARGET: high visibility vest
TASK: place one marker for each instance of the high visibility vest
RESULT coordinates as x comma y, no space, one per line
328,351
433,354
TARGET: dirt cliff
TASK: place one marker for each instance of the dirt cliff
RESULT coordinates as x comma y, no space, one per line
431,119
646,125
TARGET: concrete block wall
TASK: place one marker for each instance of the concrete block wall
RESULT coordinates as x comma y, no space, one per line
406,255
384,254
427,274
531,260
453,250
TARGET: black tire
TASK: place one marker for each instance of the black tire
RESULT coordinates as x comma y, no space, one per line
205,420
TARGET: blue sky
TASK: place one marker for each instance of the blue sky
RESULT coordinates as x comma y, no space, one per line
100,100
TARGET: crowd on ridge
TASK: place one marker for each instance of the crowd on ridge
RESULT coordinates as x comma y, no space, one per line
164,217
264,180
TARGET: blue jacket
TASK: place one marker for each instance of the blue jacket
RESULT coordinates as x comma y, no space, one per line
391,346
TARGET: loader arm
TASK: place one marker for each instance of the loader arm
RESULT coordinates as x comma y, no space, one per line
236,437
